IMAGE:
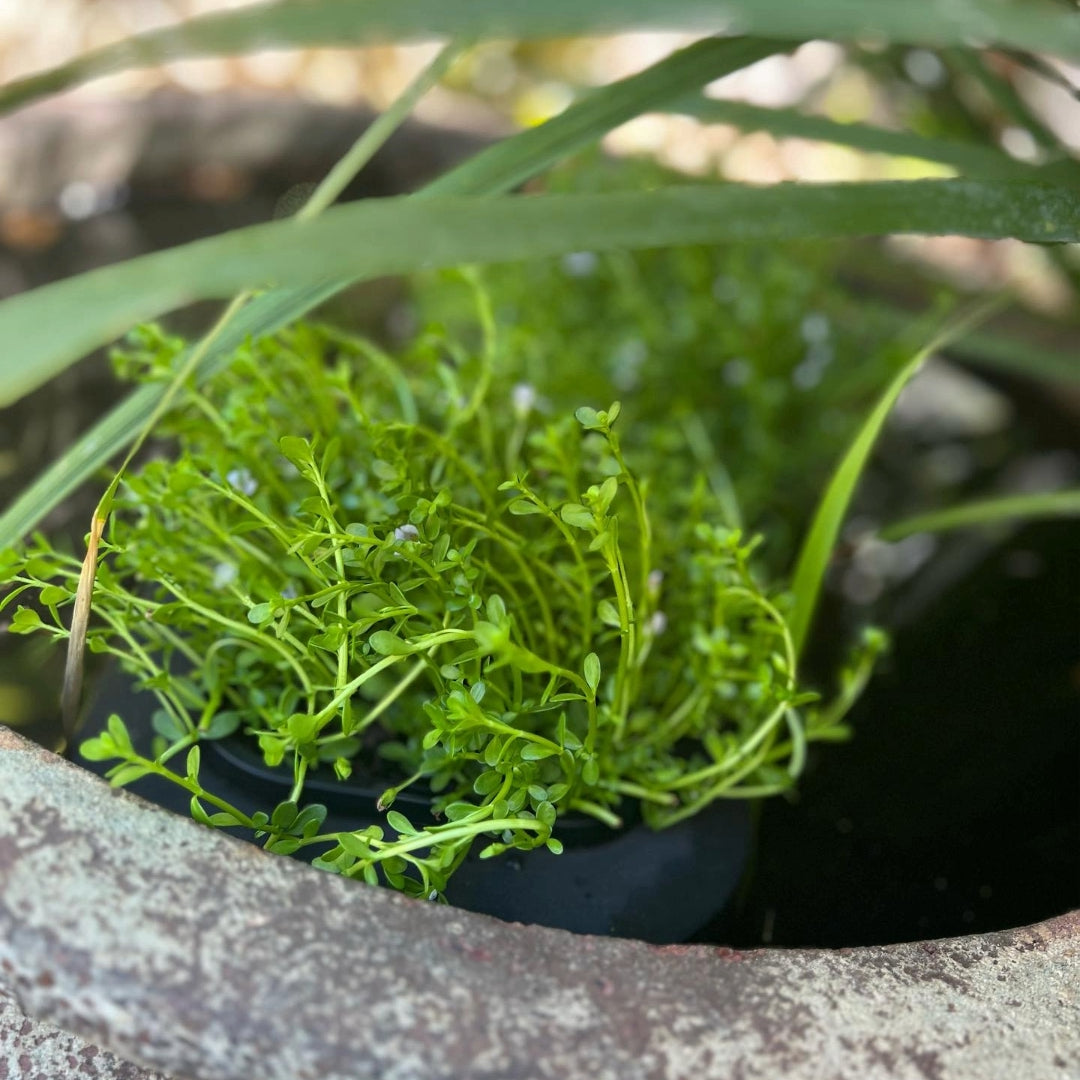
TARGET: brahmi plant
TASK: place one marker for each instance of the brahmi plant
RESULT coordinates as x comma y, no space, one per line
356,559
414,570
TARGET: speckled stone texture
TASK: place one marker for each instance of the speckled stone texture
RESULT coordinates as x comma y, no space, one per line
31,1050
198,955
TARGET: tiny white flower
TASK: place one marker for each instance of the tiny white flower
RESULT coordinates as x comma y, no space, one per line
657,623
655,580
224,574
406,532
241,480
523,397
579,263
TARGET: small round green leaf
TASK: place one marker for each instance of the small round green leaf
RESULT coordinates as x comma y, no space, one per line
575,514
387,644
535,752
400,823
592,671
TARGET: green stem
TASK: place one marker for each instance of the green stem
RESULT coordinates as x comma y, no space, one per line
389,698
384,125
247,633
601,813
638,791
440,834
720,767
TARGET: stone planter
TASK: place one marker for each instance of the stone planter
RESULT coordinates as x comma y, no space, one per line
158,942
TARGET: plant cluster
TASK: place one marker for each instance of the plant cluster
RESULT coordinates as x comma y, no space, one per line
749,363
415,567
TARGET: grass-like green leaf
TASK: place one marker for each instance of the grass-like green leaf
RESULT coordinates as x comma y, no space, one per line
1005,347
490,172
817,547
969,158
512,161
1038,27
1004,95
398,235
993,511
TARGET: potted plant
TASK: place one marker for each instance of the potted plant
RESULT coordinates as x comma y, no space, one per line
569,613
467,619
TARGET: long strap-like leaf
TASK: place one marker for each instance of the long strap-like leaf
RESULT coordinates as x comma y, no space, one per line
820,540
1031,25
972,159
375,237
985,513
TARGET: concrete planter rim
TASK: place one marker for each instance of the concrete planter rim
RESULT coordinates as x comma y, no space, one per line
189,952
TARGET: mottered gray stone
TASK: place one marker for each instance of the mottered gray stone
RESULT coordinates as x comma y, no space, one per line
166,944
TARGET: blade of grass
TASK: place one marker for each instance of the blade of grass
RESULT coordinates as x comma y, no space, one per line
494,170
971,159
1038,65
376,135
1009,353
988,512
1003,94
332,185
339,23
817,547
512,161
71,691
265,314
397,235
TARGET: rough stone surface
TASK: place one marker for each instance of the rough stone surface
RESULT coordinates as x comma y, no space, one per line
192,953
31,1050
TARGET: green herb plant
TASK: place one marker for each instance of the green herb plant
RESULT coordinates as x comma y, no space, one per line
411,567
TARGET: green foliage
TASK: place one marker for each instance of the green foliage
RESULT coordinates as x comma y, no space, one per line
374,237
990,512
741,364
459,563
389,235
968,158
489,172
354,551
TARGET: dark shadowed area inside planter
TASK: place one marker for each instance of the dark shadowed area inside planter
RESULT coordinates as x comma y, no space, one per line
955,809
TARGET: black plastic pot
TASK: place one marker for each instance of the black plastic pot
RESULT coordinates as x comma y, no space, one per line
659,887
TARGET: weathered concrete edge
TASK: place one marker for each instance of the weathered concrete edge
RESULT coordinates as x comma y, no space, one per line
34,1050
194,954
